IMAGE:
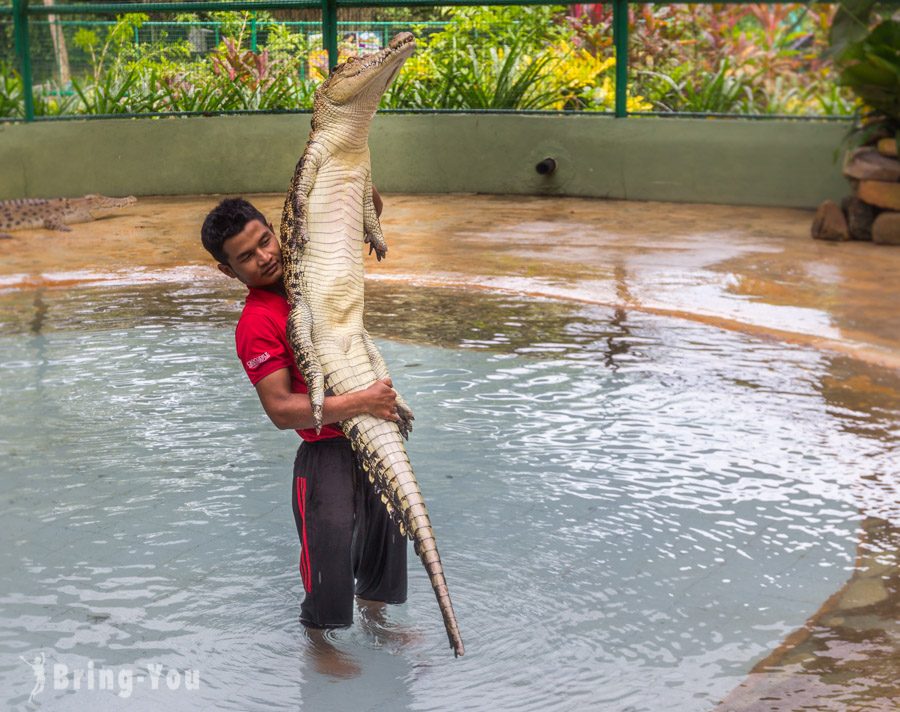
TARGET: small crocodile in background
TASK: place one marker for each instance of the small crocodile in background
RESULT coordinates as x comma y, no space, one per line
54,213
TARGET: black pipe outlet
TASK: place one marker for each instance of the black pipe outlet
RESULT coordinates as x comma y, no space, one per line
546,167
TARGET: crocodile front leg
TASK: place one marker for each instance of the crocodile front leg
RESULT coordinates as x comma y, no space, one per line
299,333
381,372
371,225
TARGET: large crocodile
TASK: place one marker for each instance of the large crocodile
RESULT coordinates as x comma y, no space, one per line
328,216
54,213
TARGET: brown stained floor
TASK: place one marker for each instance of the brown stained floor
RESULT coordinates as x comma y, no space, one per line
755,270
744,268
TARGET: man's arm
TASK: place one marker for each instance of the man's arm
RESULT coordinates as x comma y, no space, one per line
292,411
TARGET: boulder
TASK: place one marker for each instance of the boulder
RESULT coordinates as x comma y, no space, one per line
888,147
830,223
868,164
879,193
860,217
886,228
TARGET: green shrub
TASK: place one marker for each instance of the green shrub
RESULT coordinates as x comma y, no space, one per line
868,61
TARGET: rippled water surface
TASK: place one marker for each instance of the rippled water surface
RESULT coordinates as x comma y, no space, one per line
632,511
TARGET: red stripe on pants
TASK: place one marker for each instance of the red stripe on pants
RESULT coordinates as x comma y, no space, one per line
304,548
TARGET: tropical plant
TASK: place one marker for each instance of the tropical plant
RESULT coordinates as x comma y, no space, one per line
871,68
107,54
484,58
181,94
53,100
683,90
748,58
251,80
502,78
775,52
831,99
868,61
284,44
11,102
112,93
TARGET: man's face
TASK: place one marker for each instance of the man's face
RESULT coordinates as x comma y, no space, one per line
254,256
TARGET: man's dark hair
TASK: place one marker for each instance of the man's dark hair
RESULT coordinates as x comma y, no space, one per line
226,220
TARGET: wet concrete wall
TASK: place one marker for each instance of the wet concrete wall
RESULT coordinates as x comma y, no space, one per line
789,163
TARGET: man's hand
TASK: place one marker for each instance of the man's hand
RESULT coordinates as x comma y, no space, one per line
380,400
289,410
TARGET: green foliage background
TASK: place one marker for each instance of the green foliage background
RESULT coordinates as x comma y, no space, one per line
751,58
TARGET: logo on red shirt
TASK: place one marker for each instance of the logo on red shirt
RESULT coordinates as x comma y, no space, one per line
256,360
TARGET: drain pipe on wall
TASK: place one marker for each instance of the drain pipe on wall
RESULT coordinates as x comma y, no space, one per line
546,167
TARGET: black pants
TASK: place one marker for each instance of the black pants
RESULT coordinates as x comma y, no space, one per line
348,543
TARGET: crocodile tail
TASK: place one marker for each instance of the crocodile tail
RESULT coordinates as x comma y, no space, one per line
379,448
426,548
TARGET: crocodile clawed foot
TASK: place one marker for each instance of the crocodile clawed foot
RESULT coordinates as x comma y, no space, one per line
406,420
376,244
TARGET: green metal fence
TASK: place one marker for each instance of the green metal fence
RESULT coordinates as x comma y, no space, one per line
23,17
202,37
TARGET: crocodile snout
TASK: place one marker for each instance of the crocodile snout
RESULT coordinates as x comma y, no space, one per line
401,39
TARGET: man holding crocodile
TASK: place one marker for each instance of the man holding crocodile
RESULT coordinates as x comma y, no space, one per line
328,496
302,326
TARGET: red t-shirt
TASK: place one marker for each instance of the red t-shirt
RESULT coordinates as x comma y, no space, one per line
262,347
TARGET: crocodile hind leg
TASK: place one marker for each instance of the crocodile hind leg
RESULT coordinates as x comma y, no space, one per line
304,178
381,372
299,334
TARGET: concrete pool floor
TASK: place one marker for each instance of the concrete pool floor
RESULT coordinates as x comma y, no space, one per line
754,270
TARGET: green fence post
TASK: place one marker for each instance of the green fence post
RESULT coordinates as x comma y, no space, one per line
23,54
620,40
253,32
329,31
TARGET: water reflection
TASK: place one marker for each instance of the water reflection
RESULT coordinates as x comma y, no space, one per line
40,312
617,345
633,511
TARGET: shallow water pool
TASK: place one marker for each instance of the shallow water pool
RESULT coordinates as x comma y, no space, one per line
631,510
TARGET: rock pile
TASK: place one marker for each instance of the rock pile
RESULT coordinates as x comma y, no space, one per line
873,211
